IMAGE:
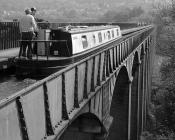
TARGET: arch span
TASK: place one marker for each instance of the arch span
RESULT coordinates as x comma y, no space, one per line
142,52
135,63
85,127
134,97
120,106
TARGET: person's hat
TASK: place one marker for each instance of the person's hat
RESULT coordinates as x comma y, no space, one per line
33,9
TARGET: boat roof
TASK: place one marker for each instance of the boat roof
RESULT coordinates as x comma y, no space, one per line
84,29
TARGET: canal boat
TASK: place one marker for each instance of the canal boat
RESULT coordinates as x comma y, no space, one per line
59,48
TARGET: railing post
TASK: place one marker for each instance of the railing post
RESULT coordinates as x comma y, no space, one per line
107,63
99,71
117,61
104,67
114,61
85,95
110,62
120,54
49,128
125,50
76,104
92,77
64,107
22,122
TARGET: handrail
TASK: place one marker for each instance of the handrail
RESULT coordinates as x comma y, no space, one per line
45,45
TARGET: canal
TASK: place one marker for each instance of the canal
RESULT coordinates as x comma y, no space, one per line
9,84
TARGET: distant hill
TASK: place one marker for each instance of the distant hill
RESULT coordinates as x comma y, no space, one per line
69,10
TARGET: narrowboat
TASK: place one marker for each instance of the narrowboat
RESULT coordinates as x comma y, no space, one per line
59,48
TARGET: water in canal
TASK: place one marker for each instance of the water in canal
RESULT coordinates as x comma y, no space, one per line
9,84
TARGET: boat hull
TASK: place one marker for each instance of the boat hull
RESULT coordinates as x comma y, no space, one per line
39,69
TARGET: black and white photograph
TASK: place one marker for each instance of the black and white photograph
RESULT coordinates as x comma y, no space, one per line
87,70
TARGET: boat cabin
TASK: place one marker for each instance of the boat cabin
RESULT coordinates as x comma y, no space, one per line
75,40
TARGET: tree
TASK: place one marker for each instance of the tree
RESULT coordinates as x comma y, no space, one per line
164,96
124,15
172,9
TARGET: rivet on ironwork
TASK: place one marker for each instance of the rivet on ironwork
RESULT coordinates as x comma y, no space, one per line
76,104
85,95
92,77
49,130
104,68
99,71
22,120
64,108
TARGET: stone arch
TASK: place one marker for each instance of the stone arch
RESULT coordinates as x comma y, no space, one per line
84,127
142,52
120,106
146,43
134,97
135,63
141,89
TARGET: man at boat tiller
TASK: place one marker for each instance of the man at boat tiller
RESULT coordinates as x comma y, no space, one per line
27,28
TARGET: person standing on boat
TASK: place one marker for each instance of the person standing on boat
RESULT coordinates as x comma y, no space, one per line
27,26
33,13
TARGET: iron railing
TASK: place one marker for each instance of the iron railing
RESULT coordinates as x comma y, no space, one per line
46,47
9,34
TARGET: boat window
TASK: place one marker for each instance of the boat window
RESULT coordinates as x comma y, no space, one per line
84,41
112,33
100,37
94,41
117,32
104,36
109,35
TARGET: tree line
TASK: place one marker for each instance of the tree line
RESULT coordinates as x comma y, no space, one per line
163,97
